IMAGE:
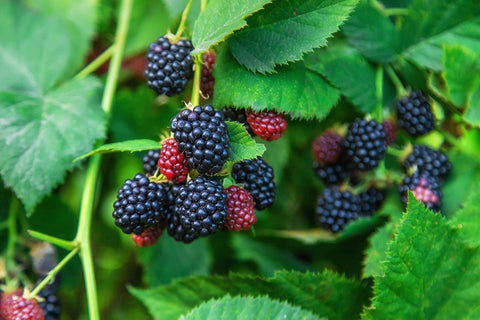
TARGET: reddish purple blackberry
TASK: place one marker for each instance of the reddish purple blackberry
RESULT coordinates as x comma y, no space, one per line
172,163
424,187
414,114
240,213
390,131
140,204
51,303
268,125
258,177
200,210
150,236
238,115
169,66
14,306
425,159
366,144
327,147
202,136
150,161
371,200
334,173
337,208
207,82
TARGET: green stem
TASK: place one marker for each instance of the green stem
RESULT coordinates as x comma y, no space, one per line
378,115
181,27
95,64
396,11
53,272
12,235
65,244
196,80
396,81
395,152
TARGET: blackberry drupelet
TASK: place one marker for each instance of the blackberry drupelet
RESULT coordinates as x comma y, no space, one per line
268,125
207,81
371,200
366,144
240,213
169,66
327,147
238,115
334,173
337,208
172,163
425,159
202,136
200,209
257,176
150,161
51,303
424,187
140,204
14,306
414,114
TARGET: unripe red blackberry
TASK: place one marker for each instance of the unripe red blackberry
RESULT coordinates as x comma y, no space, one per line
425,159
366,144
258,177
169,67
390,131
203,137
150,161
327,147
424,187
268,125
240,213
172,163
207,81
336,208
149,237
14,306
414,114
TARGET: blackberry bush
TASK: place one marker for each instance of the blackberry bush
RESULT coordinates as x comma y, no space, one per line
414,114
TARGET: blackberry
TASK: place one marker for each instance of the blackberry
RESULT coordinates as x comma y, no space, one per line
51,303
337,208
200,210
425,159
258,177
268,125
370,201
150,236
334,173
390,131
240,213
14,306
366,144
150,161
140,204
172,221
327,147
172,163
207,81
414,114
424,187
169,66
202,136
238,115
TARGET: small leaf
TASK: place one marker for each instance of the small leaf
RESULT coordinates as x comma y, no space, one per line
219,19
285,30
242,146
247,308
293,89
124,146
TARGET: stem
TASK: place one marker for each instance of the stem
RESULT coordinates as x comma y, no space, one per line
378,115
53,272
12,236
395,152
396,81
181,27
95,64
196,80
396,11
67,245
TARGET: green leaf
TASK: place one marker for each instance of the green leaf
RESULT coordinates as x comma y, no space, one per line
373,34
293,89
348,70
285,30
41,135
170,259
468,218
472,114
430,273
377,250
247,308
124,146
219,19
242,146
326,294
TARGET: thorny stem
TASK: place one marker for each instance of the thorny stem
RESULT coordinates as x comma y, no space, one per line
95,64
181,27
396,81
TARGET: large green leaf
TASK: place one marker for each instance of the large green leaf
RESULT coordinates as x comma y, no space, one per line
293,89
285,30
242,146
219,19
348,70
247,308
326,294
430,273
124,146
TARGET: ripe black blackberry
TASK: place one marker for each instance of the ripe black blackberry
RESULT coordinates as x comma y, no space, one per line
238,115
140,204
414,114
50,303
200,210
337,208
257,176
169,66
366,144
202,136
150,161
425,159
425,188
371,200
334,173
